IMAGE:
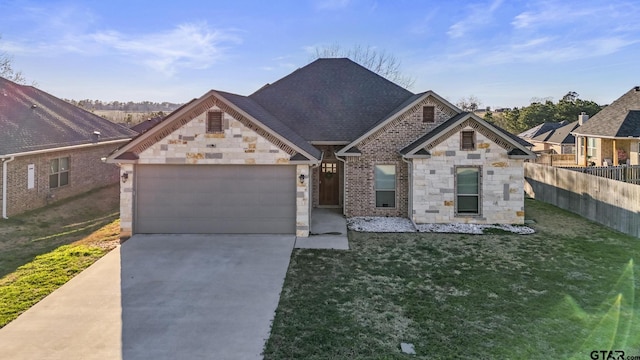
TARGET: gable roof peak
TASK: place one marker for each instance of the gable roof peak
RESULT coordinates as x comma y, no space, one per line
619,119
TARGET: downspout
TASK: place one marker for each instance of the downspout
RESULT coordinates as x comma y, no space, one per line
5,161
344,184
410,200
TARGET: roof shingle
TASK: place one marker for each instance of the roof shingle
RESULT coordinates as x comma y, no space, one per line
331,100
31,119
620,119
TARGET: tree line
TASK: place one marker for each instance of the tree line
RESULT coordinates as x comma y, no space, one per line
567,109
129,106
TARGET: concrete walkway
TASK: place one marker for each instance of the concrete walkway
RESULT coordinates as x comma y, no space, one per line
328,231
161,297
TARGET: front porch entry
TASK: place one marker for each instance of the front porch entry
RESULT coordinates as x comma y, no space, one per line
329,183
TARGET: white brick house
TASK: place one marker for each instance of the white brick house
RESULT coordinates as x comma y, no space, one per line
331,134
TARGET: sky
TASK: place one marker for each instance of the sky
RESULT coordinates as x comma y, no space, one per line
505,53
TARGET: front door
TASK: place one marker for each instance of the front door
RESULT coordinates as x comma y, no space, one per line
329,183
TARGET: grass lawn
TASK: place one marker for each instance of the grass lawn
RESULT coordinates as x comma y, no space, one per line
560,293
41,250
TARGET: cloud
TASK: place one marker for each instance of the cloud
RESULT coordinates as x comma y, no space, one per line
479,14
558,13
193,46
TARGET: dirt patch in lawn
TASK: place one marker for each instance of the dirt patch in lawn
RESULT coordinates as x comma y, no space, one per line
24,236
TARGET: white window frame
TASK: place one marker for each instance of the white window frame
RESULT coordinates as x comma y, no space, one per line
591,147
59,172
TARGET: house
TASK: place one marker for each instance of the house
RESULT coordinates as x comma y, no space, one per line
560,140
50,149
330,134
557,139
538,136
612,136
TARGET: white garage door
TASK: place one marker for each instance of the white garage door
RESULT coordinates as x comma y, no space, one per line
201,199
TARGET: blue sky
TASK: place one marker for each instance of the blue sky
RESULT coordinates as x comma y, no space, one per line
503,52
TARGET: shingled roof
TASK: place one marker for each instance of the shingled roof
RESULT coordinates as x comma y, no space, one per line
331,100
620,119
561,135
31,119
260,114
535,132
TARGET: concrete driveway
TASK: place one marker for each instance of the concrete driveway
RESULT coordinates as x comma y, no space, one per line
161,297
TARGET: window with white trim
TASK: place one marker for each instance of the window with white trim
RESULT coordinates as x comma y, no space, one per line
385,186
468,190
59,172
591,146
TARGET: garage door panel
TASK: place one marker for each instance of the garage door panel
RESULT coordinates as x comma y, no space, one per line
215,199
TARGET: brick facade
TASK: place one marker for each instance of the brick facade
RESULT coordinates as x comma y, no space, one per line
381,148
501,184
86,172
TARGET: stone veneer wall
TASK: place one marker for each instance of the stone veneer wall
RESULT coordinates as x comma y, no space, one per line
381,148
502,183
86,172
237,145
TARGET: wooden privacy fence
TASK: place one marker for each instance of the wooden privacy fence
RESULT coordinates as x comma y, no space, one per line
629,174
609,202
556,159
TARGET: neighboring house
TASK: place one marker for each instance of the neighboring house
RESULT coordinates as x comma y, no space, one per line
612,136
146,125
50,149
330,134
538,136
558,140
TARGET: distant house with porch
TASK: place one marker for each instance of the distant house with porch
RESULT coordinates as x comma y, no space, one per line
612,136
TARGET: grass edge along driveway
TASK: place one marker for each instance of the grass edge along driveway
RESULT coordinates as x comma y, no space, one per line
43,249
564,292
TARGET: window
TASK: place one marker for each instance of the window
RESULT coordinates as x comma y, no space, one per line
329,168
214,122
385,184
59,173
468,190
581,146
428,114
467,140
591,147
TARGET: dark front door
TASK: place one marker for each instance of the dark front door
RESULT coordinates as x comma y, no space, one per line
329,184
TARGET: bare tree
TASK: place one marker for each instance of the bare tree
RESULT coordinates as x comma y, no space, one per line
380,62
7,71
470,103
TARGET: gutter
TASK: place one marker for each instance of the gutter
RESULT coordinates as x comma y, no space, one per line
5,161
63,148
344,182
410,202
